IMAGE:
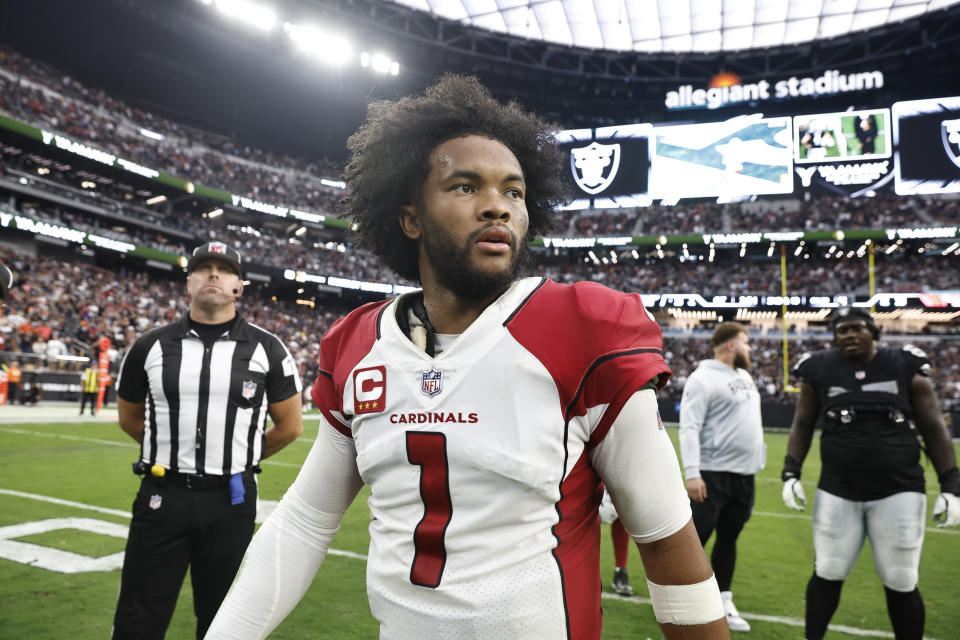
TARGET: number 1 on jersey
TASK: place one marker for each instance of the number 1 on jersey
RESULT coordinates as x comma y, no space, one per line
429,452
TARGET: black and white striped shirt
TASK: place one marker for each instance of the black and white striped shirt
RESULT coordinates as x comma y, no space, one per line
206,404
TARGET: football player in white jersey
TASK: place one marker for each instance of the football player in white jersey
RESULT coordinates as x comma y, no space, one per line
484,412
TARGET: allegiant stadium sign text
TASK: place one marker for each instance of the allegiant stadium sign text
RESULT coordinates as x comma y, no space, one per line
831,82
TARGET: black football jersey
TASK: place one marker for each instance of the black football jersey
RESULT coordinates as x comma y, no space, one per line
869,447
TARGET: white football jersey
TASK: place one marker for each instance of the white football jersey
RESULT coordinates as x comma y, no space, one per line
483,499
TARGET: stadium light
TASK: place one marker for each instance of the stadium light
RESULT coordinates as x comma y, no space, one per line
379,62
325,46
215,213
153,135
252,13
157,199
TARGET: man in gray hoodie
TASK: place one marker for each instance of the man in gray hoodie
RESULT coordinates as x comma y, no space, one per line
721,442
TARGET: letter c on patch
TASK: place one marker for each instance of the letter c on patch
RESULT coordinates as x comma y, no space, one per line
369,390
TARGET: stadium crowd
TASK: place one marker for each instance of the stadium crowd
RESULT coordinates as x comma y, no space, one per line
759,275
37,94
817,214
32,91
62,308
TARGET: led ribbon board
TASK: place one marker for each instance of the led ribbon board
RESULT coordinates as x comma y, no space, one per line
926,136
608,167
846,153
744,156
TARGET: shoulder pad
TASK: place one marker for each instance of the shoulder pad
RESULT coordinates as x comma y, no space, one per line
917,355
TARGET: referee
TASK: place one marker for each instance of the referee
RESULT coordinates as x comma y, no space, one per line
195,394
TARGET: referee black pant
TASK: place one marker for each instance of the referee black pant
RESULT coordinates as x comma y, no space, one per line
90,397
728,506
174,526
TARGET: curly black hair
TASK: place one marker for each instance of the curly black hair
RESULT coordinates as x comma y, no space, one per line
390,153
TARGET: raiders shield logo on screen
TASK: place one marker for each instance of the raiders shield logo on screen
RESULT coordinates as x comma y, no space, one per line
950,133
595,166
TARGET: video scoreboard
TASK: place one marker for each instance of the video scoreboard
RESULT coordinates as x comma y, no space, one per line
912,148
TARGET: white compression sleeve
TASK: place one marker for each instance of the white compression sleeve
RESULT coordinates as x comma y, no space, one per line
639,467
290,546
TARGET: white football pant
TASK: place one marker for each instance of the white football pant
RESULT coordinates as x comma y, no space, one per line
895,525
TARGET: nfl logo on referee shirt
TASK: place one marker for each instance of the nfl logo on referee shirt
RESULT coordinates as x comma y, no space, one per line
155,502
431,382
249,389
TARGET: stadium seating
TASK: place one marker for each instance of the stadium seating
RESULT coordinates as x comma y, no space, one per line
72,302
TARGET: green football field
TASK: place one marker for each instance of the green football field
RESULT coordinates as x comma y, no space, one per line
66,491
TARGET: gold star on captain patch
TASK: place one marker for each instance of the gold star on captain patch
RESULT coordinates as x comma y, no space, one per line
374,404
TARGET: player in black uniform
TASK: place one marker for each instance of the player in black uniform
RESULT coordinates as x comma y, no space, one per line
871,403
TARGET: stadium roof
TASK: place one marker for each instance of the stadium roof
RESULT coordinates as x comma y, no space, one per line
677,25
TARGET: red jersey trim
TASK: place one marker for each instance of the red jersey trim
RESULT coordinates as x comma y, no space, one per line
322,388
344,344
578,550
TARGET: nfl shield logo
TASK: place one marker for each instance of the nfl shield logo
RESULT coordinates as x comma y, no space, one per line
431,382
155,502
860,375
217,247
249,389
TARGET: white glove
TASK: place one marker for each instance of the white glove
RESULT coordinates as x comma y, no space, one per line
946,510
793,494
608,513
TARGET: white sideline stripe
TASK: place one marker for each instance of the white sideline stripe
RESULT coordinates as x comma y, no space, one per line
117,443
66,503
794,622
293,465
24,432
930,492
929,528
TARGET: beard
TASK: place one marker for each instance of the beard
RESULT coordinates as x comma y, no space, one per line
742,361
457,273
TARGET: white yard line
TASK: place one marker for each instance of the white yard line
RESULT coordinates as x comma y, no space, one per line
793,622
294,465
116,443
66,503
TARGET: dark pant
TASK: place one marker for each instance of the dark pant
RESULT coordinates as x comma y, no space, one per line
92,399
174,526
727,508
